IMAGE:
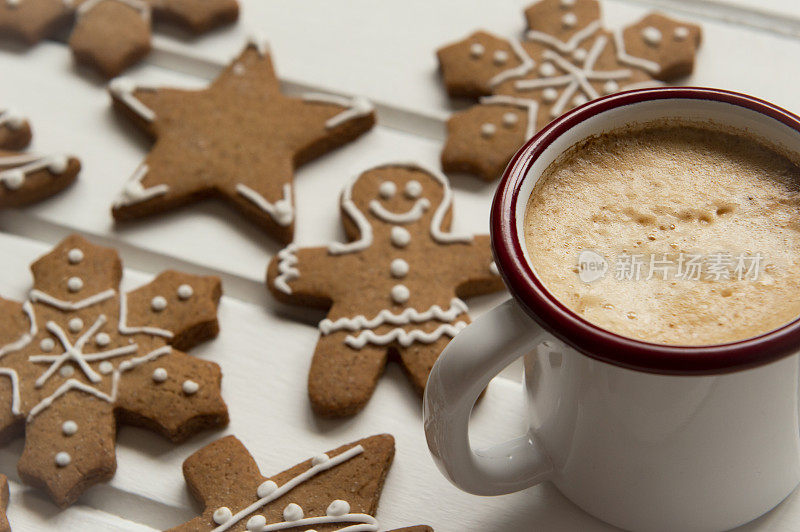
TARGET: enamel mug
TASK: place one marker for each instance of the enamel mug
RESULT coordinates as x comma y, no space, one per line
645,436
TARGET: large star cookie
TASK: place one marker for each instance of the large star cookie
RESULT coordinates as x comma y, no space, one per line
29,177
240,140
334,491
566,60
79,357
394,289
109,35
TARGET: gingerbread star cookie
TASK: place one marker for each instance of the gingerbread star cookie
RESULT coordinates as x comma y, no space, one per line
29,177
80,357
334,491
239,140
566,59
109,35
394,289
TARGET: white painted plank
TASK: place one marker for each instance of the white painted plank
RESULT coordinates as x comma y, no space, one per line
386,50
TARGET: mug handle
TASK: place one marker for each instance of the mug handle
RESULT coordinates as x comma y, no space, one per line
465,367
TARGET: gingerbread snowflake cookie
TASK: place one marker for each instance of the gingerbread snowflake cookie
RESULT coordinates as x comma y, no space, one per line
239,140
29,177
566,59
334,491
394,288
80,357
109,35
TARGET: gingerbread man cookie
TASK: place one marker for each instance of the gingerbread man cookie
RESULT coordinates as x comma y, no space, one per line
394,288
28,177
239,140
109,35
79,357
566,60
334,491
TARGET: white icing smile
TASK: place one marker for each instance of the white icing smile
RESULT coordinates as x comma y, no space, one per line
410,216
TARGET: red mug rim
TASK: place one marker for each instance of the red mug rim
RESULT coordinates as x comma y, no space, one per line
575,331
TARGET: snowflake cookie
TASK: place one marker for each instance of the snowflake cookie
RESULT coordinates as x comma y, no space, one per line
566,59
334,491
80,357
394,288
29,177
240,140
109,35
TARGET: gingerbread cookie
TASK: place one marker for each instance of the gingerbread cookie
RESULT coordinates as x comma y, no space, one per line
28,177
240,140
566,60
109,35
79,357
4,495
394,288
334,491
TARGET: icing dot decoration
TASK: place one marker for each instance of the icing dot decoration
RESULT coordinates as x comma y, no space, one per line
257,522
579,99
292,512
239,69
47,344
185,292
75,325
547,69
69,428
510,119
58,164
579,54
681,33
488,130
570,20
66,371
158,303
610,87
159,375
651,36
13,179
74,284
566,4
75,256
106,367
63,459
399,268
476,50
387,189
413,189
400,237
550,94
267,487
500,57
320,459
102,339
190,387
400,293
338,508
222,515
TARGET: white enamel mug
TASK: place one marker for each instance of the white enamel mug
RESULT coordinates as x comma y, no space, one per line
645,436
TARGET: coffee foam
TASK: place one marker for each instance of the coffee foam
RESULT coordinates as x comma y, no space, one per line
671,188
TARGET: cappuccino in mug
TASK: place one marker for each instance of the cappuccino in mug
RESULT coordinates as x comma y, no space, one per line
671,233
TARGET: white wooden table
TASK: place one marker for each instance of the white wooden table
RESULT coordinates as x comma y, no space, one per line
381,50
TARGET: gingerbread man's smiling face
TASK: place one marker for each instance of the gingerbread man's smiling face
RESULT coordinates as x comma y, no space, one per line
397,196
